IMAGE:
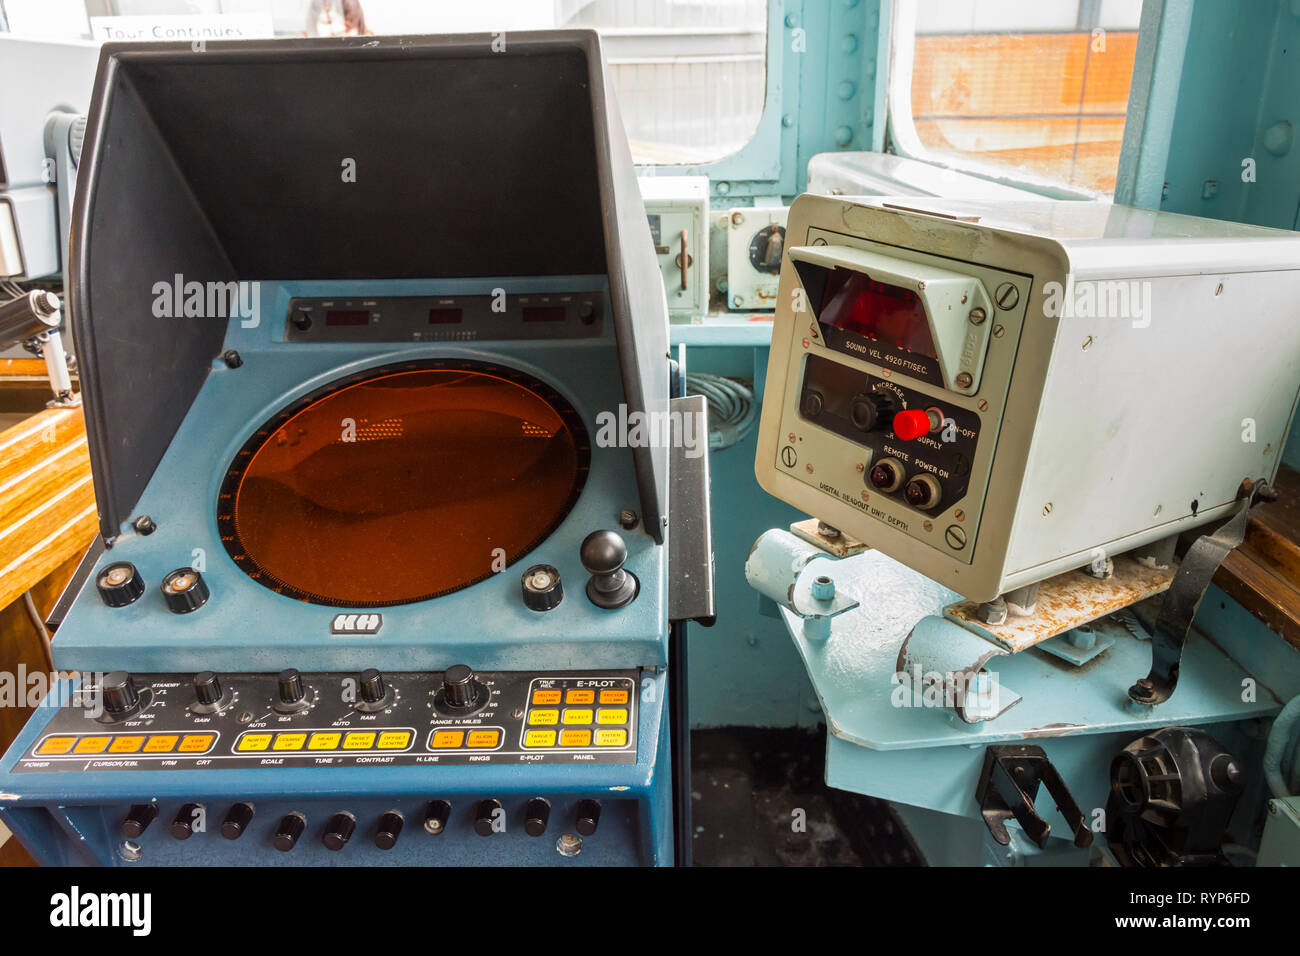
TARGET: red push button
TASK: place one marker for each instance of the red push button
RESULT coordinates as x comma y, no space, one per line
911,423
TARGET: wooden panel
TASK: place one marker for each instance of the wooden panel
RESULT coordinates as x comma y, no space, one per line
47,500
1263,575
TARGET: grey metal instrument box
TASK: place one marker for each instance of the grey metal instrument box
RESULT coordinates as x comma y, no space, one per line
993,393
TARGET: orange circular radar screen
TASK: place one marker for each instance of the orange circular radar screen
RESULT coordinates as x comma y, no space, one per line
403,484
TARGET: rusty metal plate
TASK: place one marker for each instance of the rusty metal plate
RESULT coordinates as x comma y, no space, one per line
841,547
1066,601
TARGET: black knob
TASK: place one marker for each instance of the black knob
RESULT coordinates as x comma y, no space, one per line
237,820
138,819
485,815
288,830
207,688
184,591
291,694
339,831
187,818
301,321
922,492
813,404
537,812
390,828
373,688
435,817
119,584
588,816
871,410
603,554
542,588
459,689
119,694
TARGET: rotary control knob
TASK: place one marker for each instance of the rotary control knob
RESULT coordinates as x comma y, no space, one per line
887,474
138,819
390,828
187,819
184,591
537,813
373,691
542,588
209,696
291,694
588,817
119,584
288,831
461,692
120,698
486,815
871,410
237,820
339,831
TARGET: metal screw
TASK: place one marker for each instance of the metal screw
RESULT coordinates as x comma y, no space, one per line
737,219
1006,296
928,525
823,588
1087,342
955,536
144,525
737,301
826,531
998,331
1047,508
983,405
977,316
964,379
232,358
959,515
627,519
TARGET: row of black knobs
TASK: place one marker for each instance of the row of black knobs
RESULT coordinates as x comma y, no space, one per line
603,554
341,826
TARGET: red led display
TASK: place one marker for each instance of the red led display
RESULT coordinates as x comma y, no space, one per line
889,314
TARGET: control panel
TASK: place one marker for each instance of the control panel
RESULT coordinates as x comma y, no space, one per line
123,722
445,318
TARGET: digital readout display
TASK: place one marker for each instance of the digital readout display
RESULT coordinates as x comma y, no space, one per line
854,302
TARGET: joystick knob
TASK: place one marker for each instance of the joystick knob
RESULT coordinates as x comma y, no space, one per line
119,584
603,554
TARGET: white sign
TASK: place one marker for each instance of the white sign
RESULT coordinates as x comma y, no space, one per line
222,26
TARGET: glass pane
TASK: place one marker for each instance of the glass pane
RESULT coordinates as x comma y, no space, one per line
403,485
1040,89
691,75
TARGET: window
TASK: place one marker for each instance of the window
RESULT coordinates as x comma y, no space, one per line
690,74
1030,92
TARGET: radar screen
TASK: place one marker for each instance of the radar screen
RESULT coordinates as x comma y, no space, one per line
403,483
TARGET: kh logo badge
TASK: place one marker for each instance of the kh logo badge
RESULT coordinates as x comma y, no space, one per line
356,623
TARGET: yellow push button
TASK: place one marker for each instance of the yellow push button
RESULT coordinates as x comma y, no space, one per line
125,745
324,741
539,738
91,745
195,743
613,697
160,744
546,697
358,740
55,745
611,715
394,739
544,717
611,738
580,697
572,716
289,742
448,739
575,738
484,738
252,742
